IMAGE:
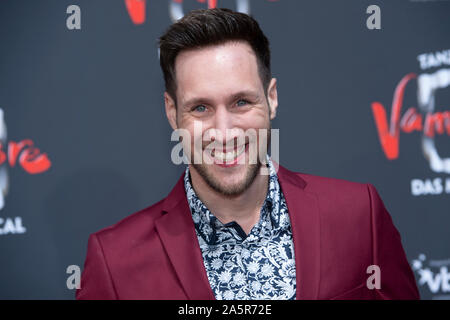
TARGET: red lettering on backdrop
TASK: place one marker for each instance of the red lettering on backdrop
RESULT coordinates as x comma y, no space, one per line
438,121
389,135
30,159
136,10
211,3
2,154
411,120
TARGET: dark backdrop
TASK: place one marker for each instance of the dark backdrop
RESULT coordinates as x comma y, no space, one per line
91,101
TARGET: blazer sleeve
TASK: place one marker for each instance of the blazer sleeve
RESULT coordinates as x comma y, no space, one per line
96,281
397,278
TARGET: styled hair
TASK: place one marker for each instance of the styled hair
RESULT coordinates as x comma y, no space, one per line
205,27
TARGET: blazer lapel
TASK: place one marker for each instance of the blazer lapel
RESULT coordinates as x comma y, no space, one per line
177,232
305,221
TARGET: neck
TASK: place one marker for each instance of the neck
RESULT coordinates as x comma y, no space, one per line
243,208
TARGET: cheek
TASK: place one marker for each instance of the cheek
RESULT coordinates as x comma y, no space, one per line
256,122
184,120
261,125
258,118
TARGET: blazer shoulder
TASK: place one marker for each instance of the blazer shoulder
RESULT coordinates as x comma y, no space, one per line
333,194
133,225
316,183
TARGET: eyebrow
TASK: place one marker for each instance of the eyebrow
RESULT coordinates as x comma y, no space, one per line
200,100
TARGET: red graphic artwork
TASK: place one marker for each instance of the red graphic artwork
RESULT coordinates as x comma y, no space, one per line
29,157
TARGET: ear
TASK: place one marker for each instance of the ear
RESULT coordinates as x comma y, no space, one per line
171,110
272,97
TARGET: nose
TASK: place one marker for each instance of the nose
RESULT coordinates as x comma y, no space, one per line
225,130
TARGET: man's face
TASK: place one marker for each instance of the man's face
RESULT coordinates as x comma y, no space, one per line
219,89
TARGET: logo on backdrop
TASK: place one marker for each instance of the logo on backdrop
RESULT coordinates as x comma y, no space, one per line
137,8
25,155
433,275
425,118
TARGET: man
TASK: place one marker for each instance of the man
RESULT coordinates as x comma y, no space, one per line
232,228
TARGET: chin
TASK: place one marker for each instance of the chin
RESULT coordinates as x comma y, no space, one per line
231,183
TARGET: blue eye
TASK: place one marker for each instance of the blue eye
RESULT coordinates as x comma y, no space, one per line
200,108
241,103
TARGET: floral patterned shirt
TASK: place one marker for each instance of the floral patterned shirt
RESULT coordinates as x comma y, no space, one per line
257,266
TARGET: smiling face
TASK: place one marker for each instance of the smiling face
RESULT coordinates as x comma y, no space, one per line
219,89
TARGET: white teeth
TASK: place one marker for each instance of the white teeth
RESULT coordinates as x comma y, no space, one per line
228,156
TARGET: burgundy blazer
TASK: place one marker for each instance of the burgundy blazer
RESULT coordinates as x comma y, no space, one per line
339,228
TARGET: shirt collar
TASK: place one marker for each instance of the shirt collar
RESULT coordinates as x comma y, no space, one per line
211,229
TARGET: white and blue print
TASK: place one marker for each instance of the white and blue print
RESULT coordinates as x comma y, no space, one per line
257,266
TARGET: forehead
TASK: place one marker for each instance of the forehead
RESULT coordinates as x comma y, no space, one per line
217,69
